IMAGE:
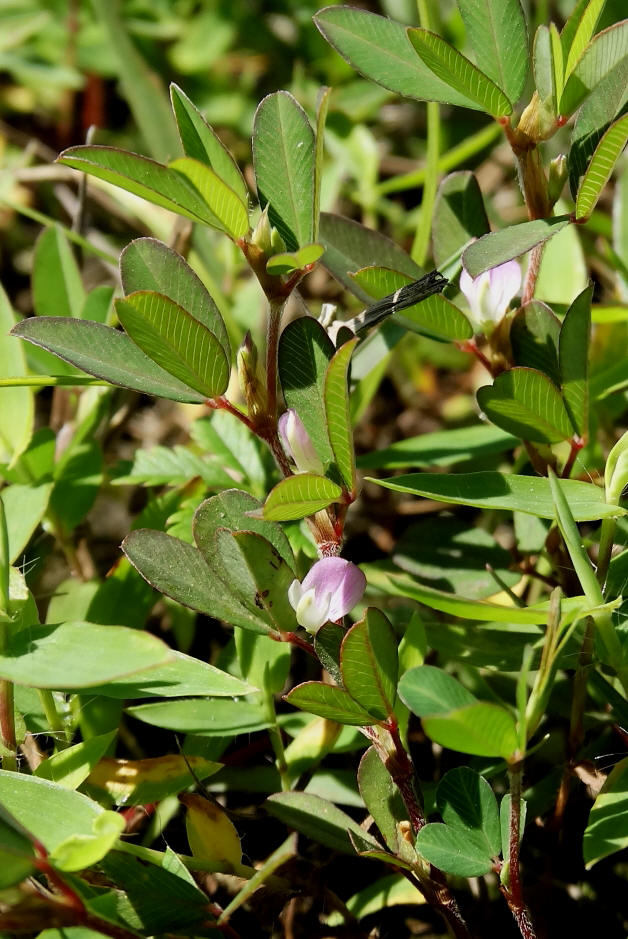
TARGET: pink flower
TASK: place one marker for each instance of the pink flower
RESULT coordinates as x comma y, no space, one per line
330,589
298,444
489,295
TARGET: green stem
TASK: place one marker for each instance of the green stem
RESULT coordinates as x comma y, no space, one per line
421,244
55,721
272,347
274,732
43,381
462,153
7,709
607,540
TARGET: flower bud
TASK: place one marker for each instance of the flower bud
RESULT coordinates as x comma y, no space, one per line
329,590
557,177
489,295
298,444
252,388
266,237
616,472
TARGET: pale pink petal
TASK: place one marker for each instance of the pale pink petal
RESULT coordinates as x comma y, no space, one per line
342,579
298,444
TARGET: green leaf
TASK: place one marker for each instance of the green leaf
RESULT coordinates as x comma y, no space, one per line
558,60
389,891
230,510
78,477
56,281
578,31
182,675
601,166
178,570
291,261
50,812
429,690
369,664
481,729
440,448
605,103
534,333
227,208
142,177
529,494
381,798
141,85
319,820
79,851
16,404
574,350
500,246
69,768
305,351
300,495
173,466
544,70
350,246
16,851
204,717
526,403
148,264
401,584
283,157
78,655
455,70
176,341
603,54
466,801
257,575
106,353
497,32
459,215
457,852
379,49
435,316
564,272
607,829
98,304
449,555
322,107
201,143
330,702
338,418
24,508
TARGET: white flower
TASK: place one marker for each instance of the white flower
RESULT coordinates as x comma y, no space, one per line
298,444
489,295
330,589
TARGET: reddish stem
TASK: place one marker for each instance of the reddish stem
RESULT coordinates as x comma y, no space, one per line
470,346
223,404
576,444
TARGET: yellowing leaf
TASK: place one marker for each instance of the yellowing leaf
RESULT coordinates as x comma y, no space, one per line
211,834
138,782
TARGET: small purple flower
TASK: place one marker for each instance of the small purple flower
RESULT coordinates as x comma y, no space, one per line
298,444
489,295
330,589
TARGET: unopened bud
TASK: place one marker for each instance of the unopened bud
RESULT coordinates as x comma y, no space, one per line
298,444
538,121
252,388
616,472
557,177
266,237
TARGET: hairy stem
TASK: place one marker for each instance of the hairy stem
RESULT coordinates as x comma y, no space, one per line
514,891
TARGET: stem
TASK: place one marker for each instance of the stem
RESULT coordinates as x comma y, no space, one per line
454,157
402,772
607,540
576,445
223,404
532,273
7,725
272,345
514,891
277,743
55,721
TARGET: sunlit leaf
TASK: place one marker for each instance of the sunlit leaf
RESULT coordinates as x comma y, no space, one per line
454,69
298,496
601,166
526,402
